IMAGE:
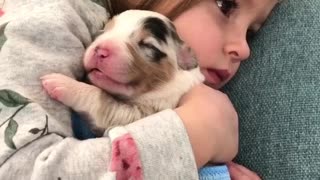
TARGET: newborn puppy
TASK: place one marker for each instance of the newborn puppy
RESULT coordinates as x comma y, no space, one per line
137,66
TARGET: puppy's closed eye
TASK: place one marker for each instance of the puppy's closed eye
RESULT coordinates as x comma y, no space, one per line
152,51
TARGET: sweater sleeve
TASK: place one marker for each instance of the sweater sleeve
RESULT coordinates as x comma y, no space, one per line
36,139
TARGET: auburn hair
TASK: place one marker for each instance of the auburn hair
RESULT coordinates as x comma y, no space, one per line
169,8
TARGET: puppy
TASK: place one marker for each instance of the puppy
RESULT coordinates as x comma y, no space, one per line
138,66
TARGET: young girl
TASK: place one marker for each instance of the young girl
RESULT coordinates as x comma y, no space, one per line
168,145
217,31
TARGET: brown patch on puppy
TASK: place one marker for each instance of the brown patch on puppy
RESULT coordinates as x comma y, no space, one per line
148,74
143,34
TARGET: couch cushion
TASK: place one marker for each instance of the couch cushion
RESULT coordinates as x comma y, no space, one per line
277,95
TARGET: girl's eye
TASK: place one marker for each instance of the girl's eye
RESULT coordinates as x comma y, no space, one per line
226,6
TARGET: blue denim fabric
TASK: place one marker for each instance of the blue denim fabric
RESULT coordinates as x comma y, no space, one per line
214,173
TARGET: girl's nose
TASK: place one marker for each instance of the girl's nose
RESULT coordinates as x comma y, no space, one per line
237,48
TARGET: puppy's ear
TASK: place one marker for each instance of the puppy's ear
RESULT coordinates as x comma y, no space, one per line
186,58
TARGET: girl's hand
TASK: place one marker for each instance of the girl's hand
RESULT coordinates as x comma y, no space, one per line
211,123
238,172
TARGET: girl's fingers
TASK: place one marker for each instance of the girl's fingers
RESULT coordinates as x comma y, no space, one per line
238,172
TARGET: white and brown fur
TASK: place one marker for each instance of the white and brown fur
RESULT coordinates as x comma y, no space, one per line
140,49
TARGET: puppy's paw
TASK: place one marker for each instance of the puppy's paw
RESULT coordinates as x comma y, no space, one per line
59,87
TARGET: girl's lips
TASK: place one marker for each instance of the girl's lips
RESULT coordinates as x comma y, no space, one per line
216,76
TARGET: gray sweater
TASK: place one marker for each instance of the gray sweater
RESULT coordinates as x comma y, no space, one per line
36,139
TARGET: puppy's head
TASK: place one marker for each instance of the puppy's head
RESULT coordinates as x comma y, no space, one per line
137,52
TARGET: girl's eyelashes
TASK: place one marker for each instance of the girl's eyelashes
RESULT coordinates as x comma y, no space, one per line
227,6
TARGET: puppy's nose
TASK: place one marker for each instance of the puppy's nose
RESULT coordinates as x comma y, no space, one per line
101,53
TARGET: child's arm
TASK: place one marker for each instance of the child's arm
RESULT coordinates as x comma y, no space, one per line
212,124
138,150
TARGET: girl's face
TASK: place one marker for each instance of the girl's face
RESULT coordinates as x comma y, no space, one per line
217,31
